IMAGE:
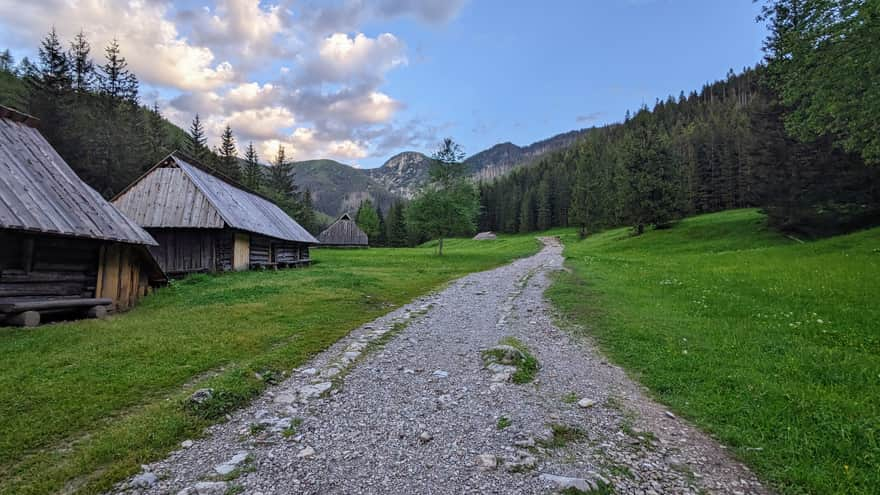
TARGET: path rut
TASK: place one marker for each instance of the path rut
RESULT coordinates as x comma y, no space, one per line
406,405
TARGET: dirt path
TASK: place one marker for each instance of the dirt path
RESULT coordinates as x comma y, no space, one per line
406,405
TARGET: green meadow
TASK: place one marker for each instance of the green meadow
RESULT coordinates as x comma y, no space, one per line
769,344
83,404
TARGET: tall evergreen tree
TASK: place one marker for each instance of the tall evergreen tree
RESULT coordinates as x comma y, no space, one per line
253,172
7,62
116,81
54,66
228,163
81,66
281,175
197,142
396,225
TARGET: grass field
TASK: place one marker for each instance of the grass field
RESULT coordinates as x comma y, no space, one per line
771,345
83,404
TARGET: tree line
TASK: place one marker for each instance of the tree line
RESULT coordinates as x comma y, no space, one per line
724,147
797,136
91,113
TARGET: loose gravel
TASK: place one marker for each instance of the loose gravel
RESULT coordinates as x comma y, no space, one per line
406,404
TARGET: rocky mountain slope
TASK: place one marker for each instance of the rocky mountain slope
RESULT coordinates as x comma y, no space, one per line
337,188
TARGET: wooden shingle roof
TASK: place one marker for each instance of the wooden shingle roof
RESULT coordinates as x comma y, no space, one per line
39,192
344,232
180,193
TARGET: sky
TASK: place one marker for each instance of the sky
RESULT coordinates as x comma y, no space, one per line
361,80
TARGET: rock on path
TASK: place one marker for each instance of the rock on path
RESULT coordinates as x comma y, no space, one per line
422,414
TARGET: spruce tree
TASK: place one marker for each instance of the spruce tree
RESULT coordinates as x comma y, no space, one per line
7,62
81,66
197,143
281,176
253,172
228,163
54,66
396,225
115,80
544,206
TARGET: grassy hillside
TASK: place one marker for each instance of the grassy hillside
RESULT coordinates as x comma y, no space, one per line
84,404
771,345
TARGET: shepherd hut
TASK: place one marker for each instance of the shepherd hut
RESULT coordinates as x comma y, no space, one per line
63,248
343,233
205,222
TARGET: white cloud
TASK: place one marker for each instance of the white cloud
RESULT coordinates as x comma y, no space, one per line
151,43
341,58
265,123
250,95
373,108
277,71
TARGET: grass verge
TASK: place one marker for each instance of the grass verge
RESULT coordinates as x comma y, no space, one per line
83,404
770,345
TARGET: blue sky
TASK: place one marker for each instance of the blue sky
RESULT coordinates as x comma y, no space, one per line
359,80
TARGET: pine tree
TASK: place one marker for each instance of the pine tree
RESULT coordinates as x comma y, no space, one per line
307,216
116,81
156,138
281,175
228,163
544,206
54,66
253,172
382,235
396,225
81,66
7,62
578,213
197,143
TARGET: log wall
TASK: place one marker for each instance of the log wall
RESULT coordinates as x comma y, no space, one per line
43,267
182,251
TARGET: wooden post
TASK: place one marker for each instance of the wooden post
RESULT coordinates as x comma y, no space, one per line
24,319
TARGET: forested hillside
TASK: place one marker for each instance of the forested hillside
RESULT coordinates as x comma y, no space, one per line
723,147
91,113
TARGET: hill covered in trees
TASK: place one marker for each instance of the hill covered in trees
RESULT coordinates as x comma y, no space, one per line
92,115
722,147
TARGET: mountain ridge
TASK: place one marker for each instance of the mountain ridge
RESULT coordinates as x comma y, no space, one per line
338,187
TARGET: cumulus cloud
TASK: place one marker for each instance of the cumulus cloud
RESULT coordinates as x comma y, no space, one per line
341,58
151,43
298,73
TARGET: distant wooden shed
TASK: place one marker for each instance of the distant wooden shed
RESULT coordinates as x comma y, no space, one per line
63,248
206,223
344,233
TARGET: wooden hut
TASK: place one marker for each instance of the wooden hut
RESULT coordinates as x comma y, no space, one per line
344,233
206,223
63,248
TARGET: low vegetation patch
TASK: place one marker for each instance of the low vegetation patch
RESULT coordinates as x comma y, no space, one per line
526,364
562,435
768,343
83,404
503,422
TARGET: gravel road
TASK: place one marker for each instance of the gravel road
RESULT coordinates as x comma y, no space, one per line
407,405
